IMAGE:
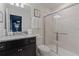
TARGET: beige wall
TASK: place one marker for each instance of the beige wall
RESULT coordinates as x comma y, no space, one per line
50,25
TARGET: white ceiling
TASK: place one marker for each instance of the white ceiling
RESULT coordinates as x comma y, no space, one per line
48,5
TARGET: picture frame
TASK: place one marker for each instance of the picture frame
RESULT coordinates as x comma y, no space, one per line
9,31
37,13
1,16
15,23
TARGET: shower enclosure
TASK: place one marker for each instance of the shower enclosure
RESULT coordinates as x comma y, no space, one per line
51,34
61,30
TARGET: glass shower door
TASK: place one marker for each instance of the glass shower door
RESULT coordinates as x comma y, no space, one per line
50,33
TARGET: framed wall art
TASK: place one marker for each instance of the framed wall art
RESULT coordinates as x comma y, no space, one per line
37,13
15,23
1,16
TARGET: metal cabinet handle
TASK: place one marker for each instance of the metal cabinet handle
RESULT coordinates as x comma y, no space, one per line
2,47
19,50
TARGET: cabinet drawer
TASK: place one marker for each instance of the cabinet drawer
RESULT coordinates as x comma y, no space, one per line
32,40
27,50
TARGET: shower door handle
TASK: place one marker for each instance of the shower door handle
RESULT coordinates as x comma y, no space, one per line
57,39
63,33
57,43
57,34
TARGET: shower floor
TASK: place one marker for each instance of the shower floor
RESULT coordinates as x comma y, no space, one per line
61,51
52,47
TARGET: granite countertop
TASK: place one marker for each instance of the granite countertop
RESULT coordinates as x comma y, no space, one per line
15,37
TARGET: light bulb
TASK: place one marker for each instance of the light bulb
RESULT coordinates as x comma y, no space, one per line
22,5
17,4
11,3
57,16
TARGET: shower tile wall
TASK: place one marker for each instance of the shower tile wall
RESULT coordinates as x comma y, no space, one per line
37,24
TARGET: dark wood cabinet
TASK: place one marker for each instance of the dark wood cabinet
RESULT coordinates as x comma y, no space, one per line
27,50
20,47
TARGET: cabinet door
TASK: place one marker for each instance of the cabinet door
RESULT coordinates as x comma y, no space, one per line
2,53
11,52
27,50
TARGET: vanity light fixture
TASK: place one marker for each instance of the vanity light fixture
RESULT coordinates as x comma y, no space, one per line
22,5
18,4
57,16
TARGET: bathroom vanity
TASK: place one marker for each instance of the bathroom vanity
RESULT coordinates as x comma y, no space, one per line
23,46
